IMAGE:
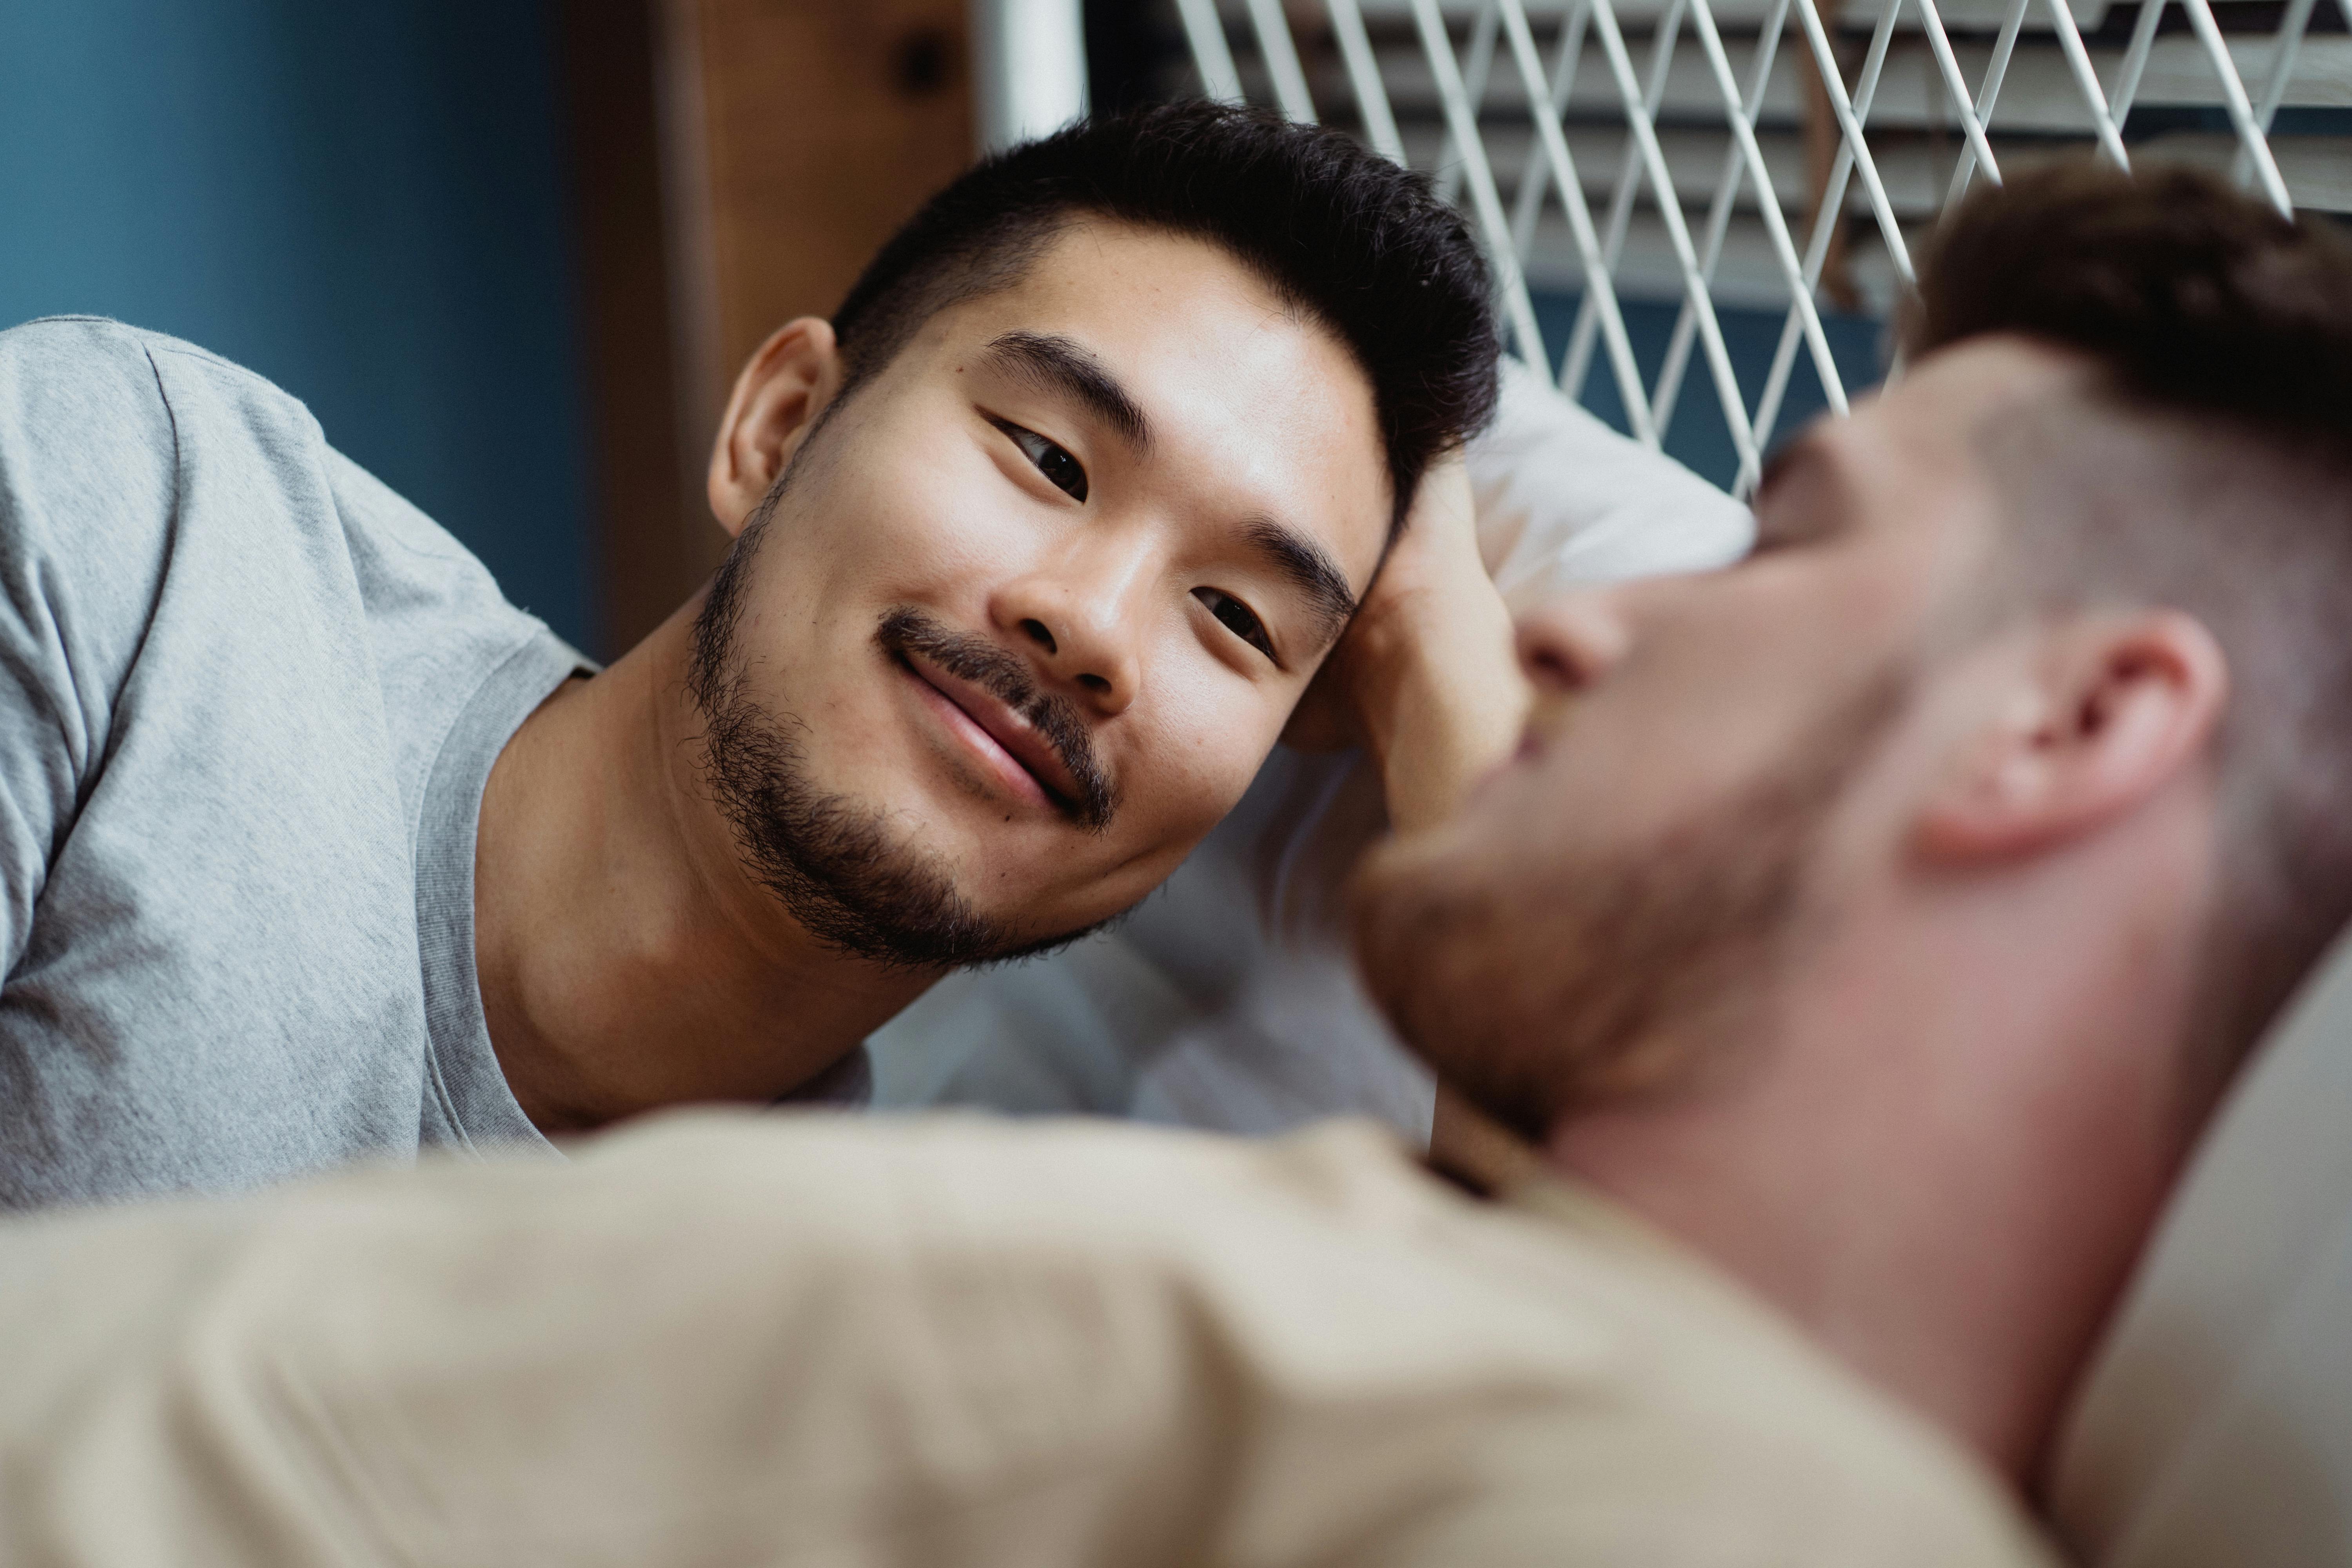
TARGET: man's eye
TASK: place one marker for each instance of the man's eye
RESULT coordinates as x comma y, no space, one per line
1062,470
1236,617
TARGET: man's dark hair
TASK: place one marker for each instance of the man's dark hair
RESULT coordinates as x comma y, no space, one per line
2192,297
1342,234
2212,473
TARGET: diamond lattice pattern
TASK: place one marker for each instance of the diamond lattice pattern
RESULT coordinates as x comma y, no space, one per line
1780,154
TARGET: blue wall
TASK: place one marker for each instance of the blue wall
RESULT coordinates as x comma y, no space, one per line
362,201
1697,434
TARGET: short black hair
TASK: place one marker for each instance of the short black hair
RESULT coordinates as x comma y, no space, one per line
1341,233
2211,471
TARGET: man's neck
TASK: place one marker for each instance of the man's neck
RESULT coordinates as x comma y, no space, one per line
626,960
1941,1158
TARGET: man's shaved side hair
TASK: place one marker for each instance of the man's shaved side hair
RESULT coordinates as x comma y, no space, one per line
2207,468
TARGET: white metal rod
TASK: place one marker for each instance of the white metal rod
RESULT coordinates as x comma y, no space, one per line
2292,28
1825,61
2286,46
2242,113
1826,219
2094,96
1527,206
1364,77
1489,205
2143,40
1995,71
1776,226
1957,89
1646,134
1281,57
1718,223
1211,55
1473,84
1029,74
1628,187
1580,222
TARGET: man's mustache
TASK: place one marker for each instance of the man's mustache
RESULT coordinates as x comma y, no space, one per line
907,630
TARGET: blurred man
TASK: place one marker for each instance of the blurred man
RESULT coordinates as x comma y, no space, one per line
1859,938
316,848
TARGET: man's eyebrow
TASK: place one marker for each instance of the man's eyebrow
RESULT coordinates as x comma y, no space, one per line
1054,364
1310,567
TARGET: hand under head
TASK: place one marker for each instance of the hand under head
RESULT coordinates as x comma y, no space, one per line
1883,914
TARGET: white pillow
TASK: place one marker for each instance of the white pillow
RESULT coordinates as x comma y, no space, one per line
1226,1001
2216,1424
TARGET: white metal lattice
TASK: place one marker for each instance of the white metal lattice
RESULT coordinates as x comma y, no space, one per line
1775,153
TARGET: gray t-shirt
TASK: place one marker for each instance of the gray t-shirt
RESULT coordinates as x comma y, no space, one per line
249,700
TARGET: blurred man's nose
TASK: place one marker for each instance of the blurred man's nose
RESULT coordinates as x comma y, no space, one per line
1077,619
1571,642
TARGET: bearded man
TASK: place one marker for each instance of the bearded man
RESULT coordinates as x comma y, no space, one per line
315,848
1857,942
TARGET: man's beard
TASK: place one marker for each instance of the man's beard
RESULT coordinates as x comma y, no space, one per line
831,861
1603,980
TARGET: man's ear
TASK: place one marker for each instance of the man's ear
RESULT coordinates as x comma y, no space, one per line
2109,712
777,398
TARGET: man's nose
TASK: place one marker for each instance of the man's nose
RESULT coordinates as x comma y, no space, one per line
1570,642
1081,626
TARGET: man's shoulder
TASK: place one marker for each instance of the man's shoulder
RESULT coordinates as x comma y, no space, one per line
1587,1383
1714,1427
64,352
1739,1454
1451,1378
77,387
103,428
113,437
68,382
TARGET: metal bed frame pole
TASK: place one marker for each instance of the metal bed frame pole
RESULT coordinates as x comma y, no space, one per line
1029,68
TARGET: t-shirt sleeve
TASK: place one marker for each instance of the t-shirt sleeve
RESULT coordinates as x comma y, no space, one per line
87,478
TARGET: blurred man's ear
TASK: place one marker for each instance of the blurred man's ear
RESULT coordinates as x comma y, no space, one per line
2110,711
784,388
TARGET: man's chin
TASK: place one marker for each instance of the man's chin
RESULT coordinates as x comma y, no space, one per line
1413,903
1402,871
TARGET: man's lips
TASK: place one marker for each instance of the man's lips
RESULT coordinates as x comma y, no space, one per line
1006,741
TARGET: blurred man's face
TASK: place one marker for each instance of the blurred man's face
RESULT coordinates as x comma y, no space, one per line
1027,613
1704,756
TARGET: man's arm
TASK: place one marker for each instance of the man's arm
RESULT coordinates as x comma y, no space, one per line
88,485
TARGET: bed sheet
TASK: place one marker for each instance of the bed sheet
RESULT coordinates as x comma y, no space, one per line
2216,1425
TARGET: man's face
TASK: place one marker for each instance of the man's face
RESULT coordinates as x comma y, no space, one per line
1027,612
1700,748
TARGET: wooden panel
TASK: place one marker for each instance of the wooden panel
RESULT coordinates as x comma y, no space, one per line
737,162
823,125
641,502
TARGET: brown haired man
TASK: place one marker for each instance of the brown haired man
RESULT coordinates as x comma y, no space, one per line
1860,938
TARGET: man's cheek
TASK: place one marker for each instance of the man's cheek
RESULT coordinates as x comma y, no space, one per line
1210,782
